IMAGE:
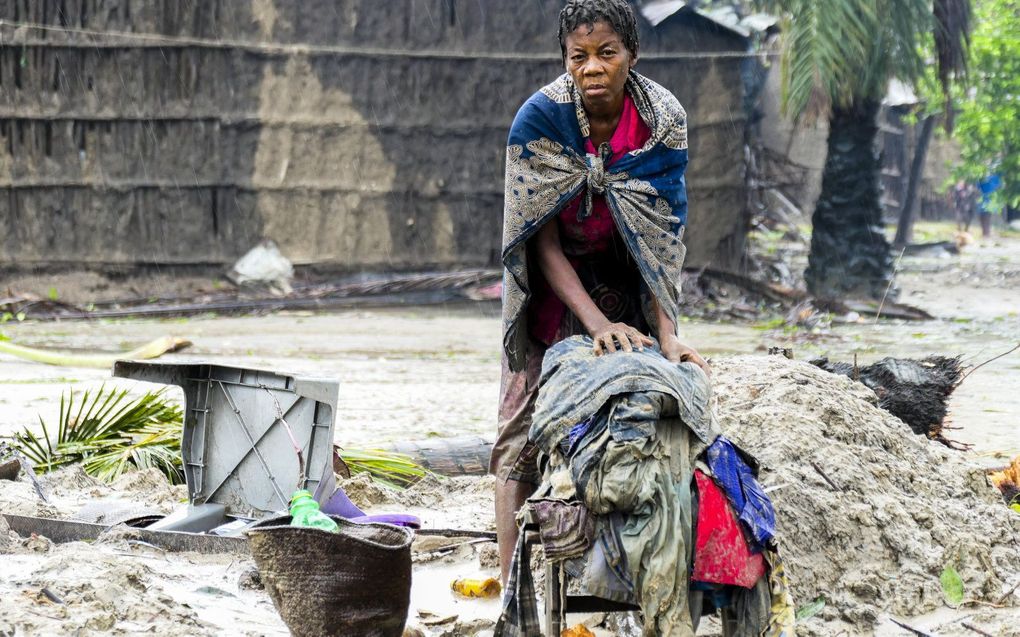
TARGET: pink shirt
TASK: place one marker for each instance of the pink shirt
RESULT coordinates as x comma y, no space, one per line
591,237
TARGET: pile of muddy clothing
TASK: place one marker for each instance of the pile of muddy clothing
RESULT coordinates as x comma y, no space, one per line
623,437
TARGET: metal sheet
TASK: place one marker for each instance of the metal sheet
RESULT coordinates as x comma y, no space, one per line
61,531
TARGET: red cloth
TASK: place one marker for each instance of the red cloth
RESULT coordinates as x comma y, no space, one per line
721,554
591,237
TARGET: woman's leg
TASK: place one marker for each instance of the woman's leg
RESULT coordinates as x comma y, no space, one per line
510,497
514,459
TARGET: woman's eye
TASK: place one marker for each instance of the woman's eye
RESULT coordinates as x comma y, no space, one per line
608,52
577,58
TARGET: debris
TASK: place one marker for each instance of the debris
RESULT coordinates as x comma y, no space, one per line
250,580
429,618
63,531
9,469
915,391
1007,481
37,543
486,588
455,456
50,595
828,480
916,631
577,631
810,610
152,349
391,468
5,536
975,629
264,266
933,248
213,590
405,289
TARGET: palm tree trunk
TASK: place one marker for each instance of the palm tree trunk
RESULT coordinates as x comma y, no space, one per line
849,252
905,227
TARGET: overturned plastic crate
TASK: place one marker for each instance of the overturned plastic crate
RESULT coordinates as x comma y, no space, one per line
250,439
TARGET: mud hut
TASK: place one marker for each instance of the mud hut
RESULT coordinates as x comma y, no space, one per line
359,135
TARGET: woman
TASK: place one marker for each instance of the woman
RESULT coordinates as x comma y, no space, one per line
594,212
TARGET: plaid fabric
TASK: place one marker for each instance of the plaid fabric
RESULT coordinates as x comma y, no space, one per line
519,617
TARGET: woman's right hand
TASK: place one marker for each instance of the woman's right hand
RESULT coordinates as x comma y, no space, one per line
629,338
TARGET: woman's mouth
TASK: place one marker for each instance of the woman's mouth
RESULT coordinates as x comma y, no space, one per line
595,90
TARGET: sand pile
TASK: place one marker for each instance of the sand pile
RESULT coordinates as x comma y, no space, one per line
899,510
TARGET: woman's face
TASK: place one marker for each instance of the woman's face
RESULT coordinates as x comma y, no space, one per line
598,62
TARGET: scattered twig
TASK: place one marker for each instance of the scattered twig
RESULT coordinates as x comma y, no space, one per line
1002,600
896,267
832,484
978,602
970,626
955,445
50,595
29,470
980,365
916,631
487,535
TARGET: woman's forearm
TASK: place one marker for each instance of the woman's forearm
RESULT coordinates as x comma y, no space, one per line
564,280
666,326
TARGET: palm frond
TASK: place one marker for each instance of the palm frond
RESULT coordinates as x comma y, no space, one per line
839,51
953,21
109,432
390,468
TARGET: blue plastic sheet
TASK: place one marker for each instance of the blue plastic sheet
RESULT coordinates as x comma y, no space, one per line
736,478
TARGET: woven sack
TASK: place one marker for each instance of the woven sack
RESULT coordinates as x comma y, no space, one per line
354,582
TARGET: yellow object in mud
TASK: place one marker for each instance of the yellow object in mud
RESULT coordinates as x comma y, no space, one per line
1007,481
484,588
577,631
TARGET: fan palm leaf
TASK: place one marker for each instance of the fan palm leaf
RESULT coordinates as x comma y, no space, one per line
110,432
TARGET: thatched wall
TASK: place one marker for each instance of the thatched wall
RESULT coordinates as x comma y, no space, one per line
357,134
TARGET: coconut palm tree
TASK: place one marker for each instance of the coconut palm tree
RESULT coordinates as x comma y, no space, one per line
838,58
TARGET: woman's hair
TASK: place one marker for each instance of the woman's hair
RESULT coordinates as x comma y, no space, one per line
617,13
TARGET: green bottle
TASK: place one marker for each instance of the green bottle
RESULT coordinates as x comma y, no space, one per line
304,511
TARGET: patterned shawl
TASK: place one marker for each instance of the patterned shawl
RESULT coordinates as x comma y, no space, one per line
547,167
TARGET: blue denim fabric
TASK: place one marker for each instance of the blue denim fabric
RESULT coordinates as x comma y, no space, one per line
576,384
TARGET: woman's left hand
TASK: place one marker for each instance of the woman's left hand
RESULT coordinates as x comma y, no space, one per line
677,352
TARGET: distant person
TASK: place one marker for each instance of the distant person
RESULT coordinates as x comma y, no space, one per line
985,207
593,218
964,198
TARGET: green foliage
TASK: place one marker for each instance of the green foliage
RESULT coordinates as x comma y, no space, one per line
952,586
989,111
110,433
810,610
391,469
841,51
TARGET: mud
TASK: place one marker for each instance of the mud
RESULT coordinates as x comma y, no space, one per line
873,546
899,510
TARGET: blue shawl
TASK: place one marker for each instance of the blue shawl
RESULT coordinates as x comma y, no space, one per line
547,167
